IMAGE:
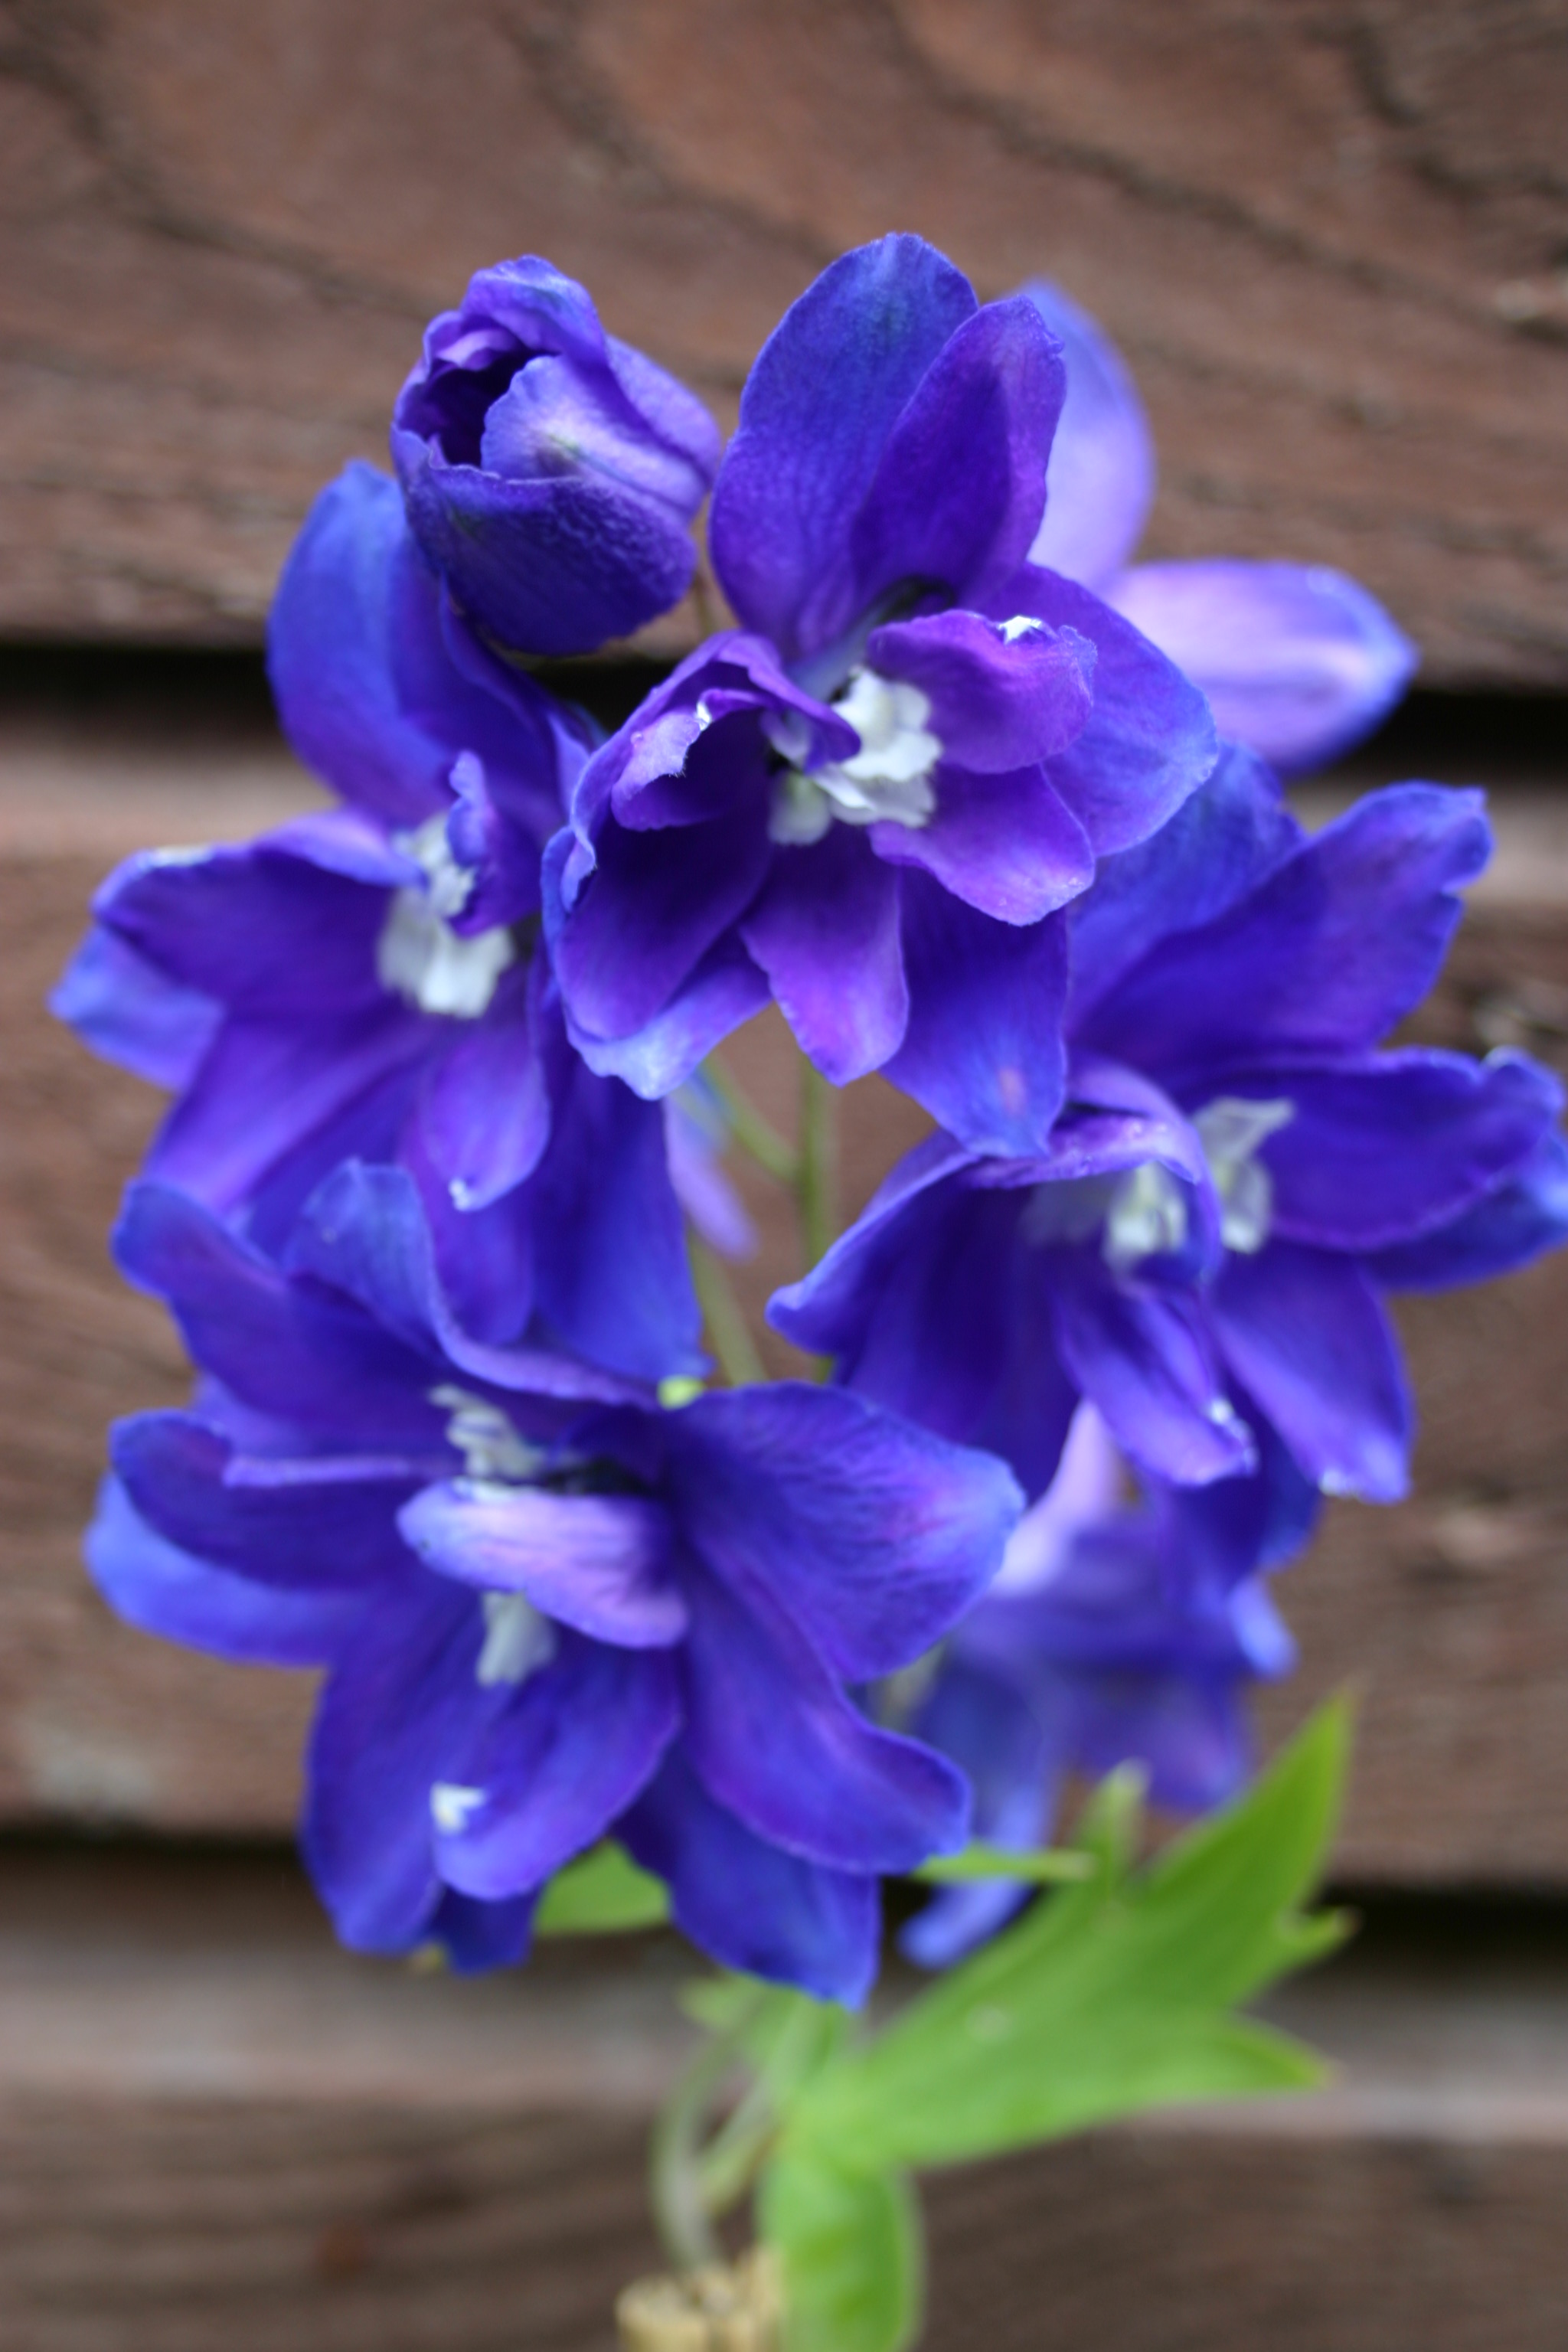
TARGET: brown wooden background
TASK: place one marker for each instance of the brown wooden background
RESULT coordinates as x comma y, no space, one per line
1333,237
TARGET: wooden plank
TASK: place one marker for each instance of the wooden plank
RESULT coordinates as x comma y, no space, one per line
216,2127
1330,237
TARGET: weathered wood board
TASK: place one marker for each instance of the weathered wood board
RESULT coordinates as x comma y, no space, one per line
215,2128
1330,233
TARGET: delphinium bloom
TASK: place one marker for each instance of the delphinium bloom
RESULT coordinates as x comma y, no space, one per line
552,472
1239,1174
366,981
1297,661
1116,1629
872,799
548,1607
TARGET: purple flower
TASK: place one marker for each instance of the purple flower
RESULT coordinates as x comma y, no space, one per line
1115,1632
1239,1173
548,1608
552,472
364,982
871,800
1297,661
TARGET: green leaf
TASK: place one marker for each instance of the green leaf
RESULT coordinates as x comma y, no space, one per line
1052,1866
850,2246
1110,1997
605,1894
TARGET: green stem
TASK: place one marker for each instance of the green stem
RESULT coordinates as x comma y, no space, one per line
674,2177
756,1136
733,1342
816,1183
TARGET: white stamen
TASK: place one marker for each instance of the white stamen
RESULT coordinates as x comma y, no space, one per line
482,1434
451,1804
1147,1217
1021,624
1232,1129
418,954
518,1640
887,781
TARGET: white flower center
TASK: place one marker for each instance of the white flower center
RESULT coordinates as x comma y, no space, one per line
491,1447
1145,1211
518,1640
450,1805
887,781
418,955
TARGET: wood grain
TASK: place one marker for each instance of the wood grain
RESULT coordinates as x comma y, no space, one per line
1331,235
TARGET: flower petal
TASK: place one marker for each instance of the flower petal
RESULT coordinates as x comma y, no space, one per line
982,1052
773,1740
598,1563
819,404
1006,844
1335,945
1524,1216
159,1588
1298,662
1144,1363
1101,483
127,1010
871,1534
826,932
555,1768
747,1903
1150,740
998,702
327,1523
1304,1333
484,1108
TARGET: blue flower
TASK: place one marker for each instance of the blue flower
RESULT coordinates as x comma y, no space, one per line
552,472
1115,1632
362,982
1238,1176
1297,661
871,801
548,1608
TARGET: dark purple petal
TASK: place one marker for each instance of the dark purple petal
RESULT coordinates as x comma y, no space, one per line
997,702
264,928
1006,844
1150,740
500,856
128,1011
364,1232
655,904
328,1522
479,1935
1303,1332
747,1904
598,1563
281,1348
486,1259
827,1312
484,1108
1526,1215
772,1738
1219,845
1381,1151
1099,484
396,1716
613,1278
1298,662
870,1534
1332,948
554,1770
819,406
960,488
160,1588
725,990
826,931
1144,1362
982,1052
998,1742
269,1093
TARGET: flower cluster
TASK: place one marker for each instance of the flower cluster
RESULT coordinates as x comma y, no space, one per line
944,795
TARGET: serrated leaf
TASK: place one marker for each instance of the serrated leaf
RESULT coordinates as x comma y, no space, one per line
1110,1997
850,2246
605,1894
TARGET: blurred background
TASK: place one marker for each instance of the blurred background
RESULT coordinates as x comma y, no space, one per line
1332,238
